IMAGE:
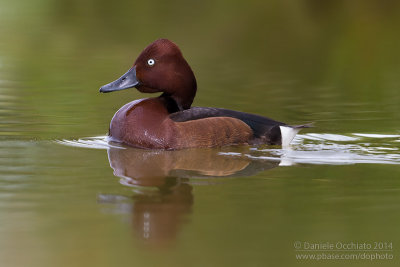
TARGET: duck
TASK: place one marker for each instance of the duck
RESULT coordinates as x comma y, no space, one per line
169,122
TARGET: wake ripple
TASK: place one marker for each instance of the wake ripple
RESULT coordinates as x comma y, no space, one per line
310,148
334,149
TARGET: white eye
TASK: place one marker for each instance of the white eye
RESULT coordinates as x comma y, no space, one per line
151,62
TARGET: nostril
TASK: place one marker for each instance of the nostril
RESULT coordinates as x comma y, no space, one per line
123,79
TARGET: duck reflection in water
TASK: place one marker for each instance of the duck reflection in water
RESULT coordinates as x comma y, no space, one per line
163,195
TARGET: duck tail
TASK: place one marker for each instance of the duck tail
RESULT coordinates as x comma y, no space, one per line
307,125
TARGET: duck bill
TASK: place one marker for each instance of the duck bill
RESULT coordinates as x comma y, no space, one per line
128,80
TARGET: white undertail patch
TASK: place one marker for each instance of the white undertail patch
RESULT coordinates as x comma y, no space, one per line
287,134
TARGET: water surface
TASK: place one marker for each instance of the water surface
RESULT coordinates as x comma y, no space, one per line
70,197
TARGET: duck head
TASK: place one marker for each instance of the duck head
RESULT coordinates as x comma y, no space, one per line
159,68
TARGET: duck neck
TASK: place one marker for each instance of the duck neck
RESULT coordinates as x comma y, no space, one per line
182,98
169,103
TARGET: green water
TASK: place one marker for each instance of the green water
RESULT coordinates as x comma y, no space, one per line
69,198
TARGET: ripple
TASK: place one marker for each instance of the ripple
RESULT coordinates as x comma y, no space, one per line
333,149
311,148
328,137
96,142
377,135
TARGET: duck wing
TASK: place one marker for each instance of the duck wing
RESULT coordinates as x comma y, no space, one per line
265,130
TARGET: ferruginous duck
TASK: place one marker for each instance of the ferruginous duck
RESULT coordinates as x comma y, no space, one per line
169,122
